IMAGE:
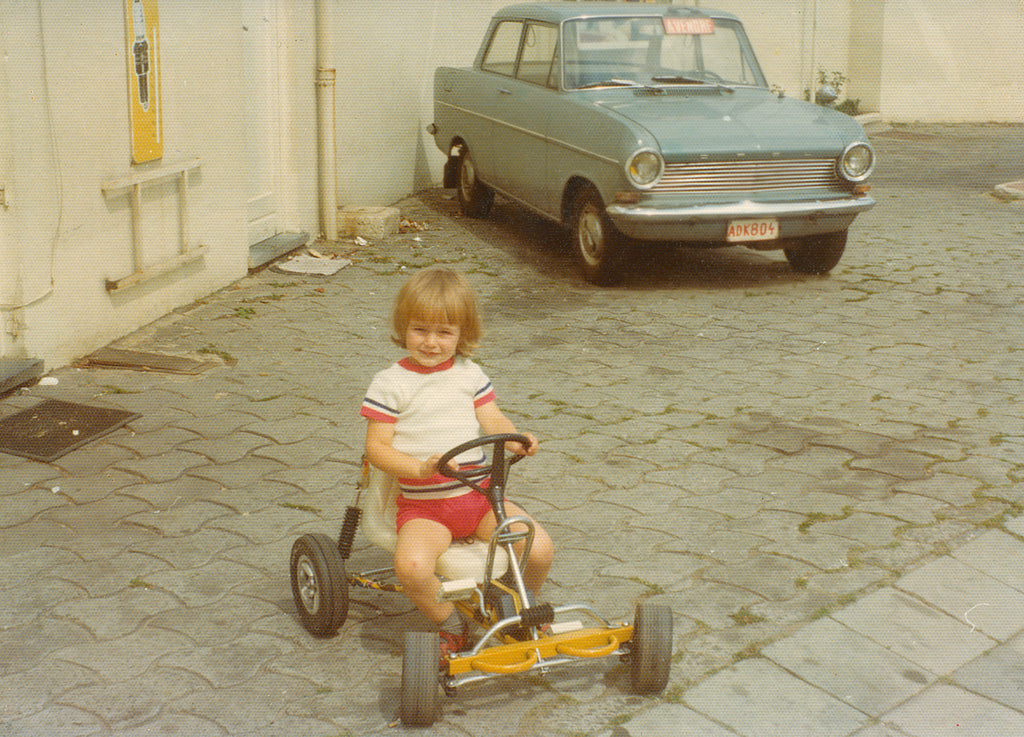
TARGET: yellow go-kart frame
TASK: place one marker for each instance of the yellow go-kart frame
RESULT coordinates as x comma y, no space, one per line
485,583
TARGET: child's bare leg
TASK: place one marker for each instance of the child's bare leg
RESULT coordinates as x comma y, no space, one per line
542,553
420,543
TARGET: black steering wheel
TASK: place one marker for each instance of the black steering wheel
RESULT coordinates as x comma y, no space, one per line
497,469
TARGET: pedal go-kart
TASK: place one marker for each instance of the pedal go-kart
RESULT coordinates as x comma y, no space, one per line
484,581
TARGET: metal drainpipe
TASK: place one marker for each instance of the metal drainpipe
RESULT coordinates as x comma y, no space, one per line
327,158
814,42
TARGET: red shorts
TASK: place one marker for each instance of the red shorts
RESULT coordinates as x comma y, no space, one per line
460,514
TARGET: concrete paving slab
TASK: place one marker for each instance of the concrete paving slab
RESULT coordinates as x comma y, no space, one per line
947,711
921,633
997,675
164,466
55,720
226,449
849,666
138,652
130,703
671,719
997,554
190,552
202,586
967,594
239,661
179,521
1016,526
118,615
24,506
756,698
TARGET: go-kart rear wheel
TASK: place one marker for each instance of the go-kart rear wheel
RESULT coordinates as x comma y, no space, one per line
421,686
651,648
319,584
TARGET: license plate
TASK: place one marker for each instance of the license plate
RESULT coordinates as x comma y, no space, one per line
757,229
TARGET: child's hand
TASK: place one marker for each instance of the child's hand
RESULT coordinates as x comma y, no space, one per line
432,466
523,450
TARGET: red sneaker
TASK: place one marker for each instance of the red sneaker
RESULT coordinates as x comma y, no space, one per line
451,644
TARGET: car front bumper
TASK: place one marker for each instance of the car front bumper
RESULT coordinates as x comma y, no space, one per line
709,222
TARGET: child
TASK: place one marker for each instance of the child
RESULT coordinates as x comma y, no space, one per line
430,401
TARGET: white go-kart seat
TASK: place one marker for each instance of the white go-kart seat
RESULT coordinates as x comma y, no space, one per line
464,559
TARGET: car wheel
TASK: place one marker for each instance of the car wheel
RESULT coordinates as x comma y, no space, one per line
319,584
421,687
817,254
651,648
475,197
599,246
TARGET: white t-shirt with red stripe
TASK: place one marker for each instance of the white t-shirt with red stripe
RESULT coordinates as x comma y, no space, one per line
433,410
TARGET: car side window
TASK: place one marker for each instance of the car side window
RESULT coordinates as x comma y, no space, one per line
537,65
503,49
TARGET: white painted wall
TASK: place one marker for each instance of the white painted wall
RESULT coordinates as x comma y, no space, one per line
386,52
953,61
909,60
65,130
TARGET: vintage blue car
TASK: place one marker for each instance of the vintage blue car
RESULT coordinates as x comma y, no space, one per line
632,123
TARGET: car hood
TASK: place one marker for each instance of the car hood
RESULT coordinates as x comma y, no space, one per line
748,121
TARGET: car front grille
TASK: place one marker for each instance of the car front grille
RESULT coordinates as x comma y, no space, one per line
730,176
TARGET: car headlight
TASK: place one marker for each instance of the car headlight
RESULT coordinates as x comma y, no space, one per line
644,168
857,162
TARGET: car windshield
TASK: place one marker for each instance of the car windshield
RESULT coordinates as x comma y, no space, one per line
654,51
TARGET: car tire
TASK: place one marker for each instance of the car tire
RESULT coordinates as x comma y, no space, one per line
599,247
817,254
475,197
650,648
421,686
319,584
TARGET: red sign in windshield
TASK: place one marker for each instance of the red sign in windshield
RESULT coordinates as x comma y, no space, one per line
689,26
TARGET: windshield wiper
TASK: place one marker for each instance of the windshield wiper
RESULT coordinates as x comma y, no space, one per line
692,80
613,82
678,80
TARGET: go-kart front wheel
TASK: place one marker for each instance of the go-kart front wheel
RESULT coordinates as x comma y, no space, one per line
421,687
651,648
319,584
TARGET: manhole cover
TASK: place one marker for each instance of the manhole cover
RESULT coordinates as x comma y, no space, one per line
53,427
115,358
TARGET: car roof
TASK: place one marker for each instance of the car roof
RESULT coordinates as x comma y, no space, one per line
556,12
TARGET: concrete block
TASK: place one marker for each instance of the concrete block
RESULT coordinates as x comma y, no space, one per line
368,222
15,372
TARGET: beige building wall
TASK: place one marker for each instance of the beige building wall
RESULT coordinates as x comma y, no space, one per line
953,61
908,60
386,52
66,131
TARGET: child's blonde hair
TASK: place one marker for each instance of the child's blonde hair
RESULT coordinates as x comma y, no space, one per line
438,295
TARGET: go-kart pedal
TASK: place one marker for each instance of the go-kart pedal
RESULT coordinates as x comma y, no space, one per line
540,616
452,643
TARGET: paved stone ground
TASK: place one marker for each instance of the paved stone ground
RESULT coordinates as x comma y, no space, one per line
821,476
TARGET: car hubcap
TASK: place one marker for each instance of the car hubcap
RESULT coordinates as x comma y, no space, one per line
591,238
308,589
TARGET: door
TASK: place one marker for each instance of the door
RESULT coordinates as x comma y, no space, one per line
262,101
524,106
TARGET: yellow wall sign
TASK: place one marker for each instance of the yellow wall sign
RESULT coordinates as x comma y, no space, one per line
142,24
